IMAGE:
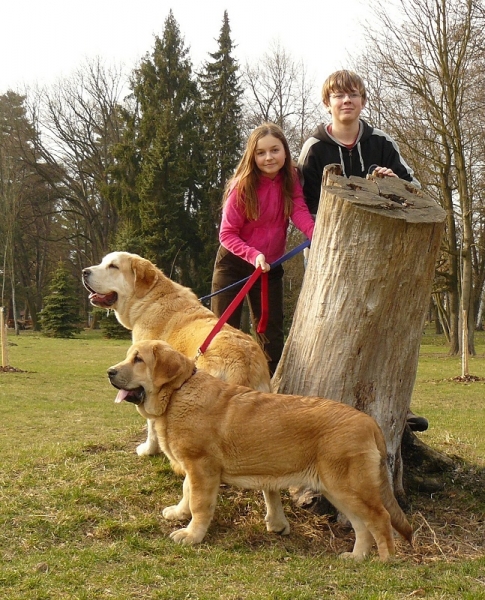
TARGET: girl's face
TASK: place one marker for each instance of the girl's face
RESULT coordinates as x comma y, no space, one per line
269,155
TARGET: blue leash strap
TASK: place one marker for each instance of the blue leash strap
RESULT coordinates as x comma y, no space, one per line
291,254
277,262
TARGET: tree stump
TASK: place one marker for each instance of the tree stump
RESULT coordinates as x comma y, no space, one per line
357,328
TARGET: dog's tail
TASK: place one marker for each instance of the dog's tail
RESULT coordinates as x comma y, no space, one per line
398,518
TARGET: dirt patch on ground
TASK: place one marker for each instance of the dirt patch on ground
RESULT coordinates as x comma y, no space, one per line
448,525
9,369
467,378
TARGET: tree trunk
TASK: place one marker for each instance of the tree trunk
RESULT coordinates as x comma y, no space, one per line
3,338
358,324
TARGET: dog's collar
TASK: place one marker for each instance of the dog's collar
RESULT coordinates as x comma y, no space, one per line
190,377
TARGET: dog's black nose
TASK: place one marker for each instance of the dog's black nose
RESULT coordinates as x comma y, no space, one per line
86,273
112,372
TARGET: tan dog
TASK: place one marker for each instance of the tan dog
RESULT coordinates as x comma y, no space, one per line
156,308
215,432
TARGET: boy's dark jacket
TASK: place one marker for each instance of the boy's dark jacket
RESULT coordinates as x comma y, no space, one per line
373,147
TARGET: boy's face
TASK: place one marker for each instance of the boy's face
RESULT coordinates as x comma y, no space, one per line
345,107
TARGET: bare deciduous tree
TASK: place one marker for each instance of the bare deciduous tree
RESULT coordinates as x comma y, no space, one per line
278,89
78,123
424,65
22,199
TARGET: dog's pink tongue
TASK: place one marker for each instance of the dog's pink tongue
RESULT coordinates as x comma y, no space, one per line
121,395
97,297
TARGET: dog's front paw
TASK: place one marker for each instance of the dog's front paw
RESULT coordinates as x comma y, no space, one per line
148,448
174,513
280,526
352,556
185,537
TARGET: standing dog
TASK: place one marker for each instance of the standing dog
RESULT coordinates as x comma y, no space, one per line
156,308
215,432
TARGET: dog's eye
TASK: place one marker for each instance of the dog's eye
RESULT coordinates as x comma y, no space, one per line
113,266
138,359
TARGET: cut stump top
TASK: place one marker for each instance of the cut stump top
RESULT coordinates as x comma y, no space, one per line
390,196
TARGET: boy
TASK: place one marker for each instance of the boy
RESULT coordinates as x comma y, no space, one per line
347,140
356,146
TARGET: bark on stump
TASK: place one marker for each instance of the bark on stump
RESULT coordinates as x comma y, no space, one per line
357,328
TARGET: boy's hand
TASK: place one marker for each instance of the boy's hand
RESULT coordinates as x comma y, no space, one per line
261,262
384,172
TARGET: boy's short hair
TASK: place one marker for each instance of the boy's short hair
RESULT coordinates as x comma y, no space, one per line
342,81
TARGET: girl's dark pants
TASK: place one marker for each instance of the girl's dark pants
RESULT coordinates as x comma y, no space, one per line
230,269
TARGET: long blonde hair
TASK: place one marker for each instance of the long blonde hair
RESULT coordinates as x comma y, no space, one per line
247,175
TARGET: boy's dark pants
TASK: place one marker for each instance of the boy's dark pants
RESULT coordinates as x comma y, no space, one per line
230,269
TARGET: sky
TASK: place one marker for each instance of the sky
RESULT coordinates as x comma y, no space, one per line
44,42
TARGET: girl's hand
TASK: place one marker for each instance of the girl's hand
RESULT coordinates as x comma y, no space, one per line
261,262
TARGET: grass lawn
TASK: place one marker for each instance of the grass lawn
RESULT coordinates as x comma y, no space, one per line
80,512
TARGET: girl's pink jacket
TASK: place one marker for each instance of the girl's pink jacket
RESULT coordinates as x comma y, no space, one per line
266,235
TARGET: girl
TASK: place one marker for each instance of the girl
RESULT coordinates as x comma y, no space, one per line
260,198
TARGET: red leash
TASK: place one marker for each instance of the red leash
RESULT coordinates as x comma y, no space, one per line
263,321
235,303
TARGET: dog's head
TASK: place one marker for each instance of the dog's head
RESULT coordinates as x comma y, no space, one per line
149,375
119,277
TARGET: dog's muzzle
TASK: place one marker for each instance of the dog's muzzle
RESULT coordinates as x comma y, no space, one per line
135,396
96,299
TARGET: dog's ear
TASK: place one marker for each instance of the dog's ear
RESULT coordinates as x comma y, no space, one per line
170,366
145,275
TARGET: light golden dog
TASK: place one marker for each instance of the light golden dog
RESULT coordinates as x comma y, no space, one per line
156,308
214,432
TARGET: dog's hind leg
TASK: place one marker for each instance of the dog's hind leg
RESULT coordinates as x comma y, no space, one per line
364,541
275,516
378,528
204,488
381,528
151,447
181,510
369,523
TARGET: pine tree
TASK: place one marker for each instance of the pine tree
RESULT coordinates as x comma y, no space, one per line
110,326
221,110
159,161
60,316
